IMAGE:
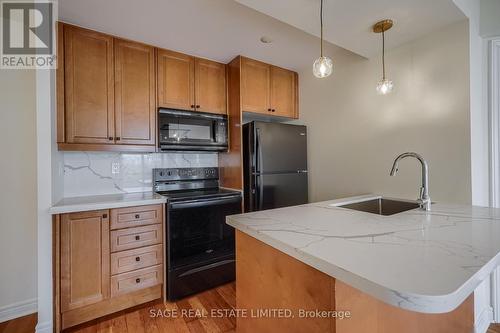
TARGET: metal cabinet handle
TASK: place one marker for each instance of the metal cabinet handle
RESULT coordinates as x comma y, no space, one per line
110,138
104,216
137,280
192,106
137,216
273,110
269,110
137,258
197,106
137,237
117,138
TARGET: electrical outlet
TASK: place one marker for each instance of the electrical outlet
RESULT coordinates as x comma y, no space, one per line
115,168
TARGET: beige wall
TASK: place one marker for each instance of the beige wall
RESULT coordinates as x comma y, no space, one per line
355,134
18,188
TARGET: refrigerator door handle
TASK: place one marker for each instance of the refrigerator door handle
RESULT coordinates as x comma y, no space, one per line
261,193
258,157
258,164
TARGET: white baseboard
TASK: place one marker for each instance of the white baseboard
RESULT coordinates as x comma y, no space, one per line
18,309
45,327
483,321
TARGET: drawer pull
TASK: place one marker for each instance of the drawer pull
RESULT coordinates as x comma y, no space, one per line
104,216
137,216
137,258
137,280
137,237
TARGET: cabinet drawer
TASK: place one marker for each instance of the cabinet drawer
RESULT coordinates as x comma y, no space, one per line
135,216
130,260
131,238
140,279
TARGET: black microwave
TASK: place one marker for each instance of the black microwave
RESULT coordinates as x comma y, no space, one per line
192,131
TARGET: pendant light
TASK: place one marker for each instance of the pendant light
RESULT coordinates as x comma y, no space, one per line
384,86
323,66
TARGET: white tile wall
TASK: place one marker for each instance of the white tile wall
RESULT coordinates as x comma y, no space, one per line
92,173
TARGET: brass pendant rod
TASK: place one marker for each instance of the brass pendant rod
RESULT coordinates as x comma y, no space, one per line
321,26
383,55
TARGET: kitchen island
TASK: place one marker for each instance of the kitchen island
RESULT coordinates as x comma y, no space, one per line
414,271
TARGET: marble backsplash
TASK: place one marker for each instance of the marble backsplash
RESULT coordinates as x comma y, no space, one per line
93,173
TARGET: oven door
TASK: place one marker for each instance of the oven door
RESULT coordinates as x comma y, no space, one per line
197,231
184,130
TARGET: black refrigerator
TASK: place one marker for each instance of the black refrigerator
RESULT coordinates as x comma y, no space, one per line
275,165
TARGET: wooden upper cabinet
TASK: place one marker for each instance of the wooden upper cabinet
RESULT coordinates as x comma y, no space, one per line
255,86
89,86
210,86
109,89
283,92
175,80
135,99
85,256
268,89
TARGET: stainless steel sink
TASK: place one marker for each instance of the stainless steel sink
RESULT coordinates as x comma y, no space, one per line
382,206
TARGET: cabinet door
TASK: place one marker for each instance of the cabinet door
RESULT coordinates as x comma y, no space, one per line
255,86
89,86
210,86
175,80
135,106
283,92
85,277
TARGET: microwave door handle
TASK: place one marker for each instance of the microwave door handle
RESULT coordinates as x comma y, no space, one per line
214,131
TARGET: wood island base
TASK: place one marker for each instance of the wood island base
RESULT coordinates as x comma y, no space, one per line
269,279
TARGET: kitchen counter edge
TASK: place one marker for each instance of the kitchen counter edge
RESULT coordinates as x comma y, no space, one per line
97,202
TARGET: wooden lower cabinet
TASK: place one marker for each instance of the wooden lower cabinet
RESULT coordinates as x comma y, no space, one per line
128,282
97,271
84,259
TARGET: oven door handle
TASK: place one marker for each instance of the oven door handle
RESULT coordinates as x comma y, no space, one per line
209,266
203,203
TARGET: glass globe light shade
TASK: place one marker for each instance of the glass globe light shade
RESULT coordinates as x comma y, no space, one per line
322,67
384,87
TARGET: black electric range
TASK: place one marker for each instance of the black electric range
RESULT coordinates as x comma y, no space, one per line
199,244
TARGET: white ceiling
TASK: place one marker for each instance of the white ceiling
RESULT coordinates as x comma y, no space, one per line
347,23
223,29
213,29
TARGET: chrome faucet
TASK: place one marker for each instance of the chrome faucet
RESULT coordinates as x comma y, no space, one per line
424,199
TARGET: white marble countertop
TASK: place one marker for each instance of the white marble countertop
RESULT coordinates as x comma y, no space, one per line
420,261
96,202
